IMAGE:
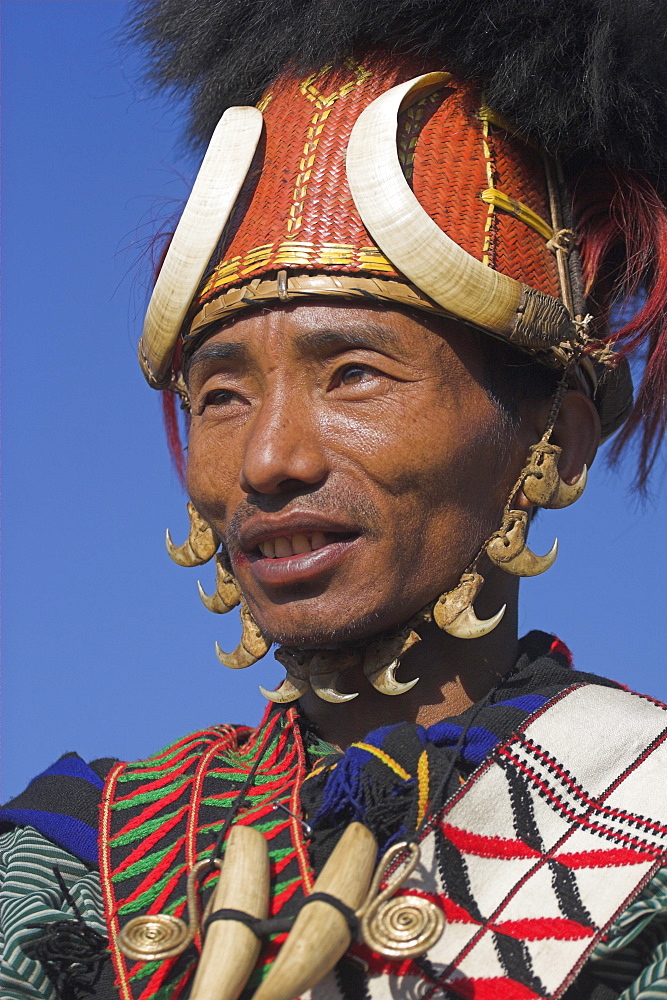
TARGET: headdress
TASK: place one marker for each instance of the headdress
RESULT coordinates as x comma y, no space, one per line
537,149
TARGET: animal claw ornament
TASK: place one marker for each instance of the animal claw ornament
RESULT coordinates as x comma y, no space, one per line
321,933
227,594
231,948
324,686
542,484
382,659
252,647
454,614
404,927
507,548
201,544
290,690
156,937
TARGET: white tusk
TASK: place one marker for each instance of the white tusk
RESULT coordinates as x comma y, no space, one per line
219,181
467,625
231,949
408,236
324,686
290,689
321,935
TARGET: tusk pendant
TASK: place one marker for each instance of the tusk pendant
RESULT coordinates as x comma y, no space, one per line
508,550
467,625
321,935
227,594
230,948
290,689
324,686
201,544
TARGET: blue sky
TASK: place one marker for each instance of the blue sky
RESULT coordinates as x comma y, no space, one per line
107,649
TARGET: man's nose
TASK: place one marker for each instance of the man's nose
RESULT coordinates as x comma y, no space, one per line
284,449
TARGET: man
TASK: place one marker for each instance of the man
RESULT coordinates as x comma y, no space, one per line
373,310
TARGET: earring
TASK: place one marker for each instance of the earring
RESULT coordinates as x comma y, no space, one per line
507,548
542,484
201,544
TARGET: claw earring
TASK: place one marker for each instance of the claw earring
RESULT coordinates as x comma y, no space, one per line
200,546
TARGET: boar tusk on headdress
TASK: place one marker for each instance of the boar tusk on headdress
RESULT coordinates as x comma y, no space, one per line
214,194
415,244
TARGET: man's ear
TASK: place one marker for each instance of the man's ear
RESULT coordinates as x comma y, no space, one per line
577,432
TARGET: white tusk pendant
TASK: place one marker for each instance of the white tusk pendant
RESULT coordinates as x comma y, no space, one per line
320,934
230,948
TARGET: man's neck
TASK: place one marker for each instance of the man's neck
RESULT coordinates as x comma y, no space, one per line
453,675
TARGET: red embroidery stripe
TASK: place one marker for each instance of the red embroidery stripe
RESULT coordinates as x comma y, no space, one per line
615,857
496,988
146,845
487,847
154,876
277,902
543,928
151,810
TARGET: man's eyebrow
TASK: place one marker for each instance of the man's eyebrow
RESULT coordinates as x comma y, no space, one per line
217,351
370,337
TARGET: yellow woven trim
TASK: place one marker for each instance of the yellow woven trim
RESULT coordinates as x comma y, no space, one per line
296,253
324,105
423,785
488,225
492,196
385,758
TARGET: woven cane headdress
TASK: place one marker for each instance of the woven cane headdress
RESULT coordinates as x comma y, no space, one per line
500,167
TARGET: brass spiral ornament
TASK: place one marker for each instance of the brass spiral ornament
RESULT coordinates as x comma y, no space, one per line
399,926
153,938
402,927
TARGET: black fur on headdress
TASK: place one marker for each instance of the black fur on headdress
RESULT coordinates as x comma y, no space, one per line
579,76
586,79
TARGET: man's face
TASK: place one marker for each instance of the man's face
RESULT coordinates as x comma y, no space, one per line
350,459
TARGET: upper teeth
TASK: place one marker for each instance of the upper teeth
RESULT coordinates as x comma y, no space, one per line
292,545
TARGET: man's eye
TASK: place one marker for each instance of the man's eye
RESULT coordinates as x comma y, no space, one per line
219,397
353,374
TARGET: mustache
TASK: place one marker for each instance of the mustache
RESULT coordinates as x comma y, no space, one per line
328,502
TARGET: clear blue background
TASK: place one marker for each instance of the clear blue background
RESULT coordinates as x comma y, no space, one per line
106,647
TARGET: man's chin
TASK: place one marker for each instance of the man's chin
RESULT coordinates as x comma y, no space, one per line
317,634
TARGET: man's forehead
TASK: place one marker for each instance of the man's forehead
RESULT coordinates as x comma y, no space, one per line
311,330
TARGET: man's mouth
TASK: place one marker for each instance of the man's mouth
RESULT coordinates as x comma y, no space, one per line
295,545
